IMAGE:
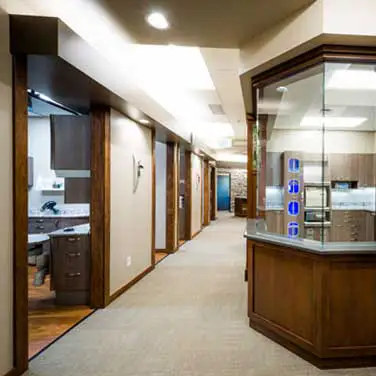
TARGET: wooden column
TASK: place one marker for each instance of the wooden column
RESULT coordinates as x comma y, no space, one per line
172,197
213,193
206,193
251,171
100,206
20,214
188,195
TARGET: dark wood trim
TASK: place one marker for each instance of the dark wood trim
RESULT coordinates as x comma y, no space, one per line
213,189
12,372
172,197
20,214
161,250
126,287
251,174
100,206
153,195
196,233
310,59
206,178
188,195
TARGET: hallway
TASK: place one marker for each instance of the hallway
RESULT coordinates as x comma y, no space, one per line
188,317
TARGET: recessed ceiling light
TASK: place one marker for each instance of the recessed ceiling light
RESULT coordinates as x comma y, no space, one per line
157,20
144,121
282,89
332,122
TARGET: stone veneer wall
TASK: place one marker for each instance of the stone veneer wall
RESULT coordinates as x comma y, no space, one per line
238,182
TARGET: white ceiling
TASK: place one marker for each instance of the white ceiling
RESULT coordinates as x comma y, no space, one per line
115,29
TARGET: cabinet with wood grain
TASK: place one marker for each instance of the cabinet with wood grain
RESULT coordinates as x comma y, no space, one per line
71,269
70,142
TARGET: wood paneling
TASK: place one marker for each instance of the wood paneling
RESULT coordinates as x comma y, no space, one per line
351,305
153,195
188,195
318,305
70,142
206,193
172,198
100,206
77,191
20,211
213,193
276,290
251,174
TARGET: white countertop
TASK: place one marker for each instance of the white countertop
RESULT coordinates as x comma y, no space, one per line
77,230
37,238
64,211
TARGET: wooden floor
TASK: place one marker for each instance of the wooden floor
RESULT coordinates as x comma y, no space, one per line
159,256
46,320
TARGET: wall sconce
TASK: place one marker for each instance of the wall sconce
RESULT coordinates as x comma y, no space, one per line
137,169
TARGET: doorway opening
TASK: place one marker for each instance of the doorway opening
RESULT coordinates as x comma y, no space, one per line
58,220
224,192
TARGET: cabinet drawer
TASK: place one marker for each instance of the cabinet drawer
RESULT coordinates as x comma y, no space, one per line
71,263
71,280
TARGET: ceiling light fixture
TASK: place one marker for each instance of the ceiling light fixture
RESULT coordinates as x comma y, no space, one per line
157,20
144,121
282,89
353,80
332,122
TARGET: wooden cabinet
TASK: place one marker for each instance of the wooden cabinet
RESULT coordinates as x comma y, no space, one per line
352,167
240,207
352,225
365,170
317,233
77,191
70,142
47,225
71,269
274,169
274,221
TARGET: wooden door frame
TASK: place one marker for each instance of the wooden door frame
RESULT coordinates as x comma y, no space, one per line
206,193
99,215
172,197
188,195
213,188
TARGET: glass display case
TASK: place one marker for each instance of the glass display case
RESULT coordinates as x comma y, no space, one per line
315,139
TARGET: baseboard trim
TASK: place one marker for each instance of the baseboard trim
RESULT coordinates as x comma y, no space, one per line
14,372
196,233
126,287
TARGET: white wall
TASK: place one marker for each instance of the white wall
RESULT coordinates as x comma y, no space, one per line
160,193
339,17
131,212
311,141
39,140
6,211
196,179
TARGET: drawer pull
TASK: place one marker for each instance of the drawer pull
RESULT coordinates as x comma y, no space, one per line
40,227
40,220
73,275
74,254
72,240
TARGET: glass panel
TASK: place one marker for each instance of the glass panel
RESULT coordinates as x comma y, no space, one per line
292,181
350,126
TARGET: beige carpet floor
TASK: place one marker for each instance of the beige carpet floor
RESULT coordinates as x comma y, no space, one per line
186,318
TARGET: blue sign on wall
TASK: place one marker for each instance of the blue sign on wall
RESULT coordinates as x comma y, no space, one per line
293,187
293,229
294,165
293,208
